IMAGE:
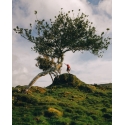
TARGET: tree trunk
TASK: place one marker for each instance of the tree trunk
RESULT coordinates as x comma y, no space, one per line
52,69
51,76
39,75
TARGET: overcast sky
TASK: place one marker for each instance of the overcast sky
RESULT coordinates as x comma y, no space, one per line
86,66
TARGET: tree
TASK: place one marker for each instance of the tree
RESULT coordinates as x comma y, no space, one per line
65,33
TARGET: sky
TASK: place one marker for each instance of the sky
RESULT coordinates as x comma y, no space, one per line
87,67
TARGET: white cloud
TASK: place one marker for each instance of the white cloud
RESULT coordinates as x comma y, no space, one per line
106,6
89,71
24,68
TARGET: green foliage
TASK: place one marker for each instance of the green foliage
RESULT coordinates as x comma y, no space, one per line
65,33
61,104
45,63
107,116
104,109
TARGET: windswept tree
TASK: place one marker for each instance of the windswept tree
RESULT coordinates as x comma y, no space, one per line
65,33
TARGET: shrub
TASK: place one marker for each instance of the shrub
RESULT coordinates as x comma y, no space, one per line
87,88
20,103
77,123
69,110
104,110
107,116
37,112
94,117
27,98
63,121
53,112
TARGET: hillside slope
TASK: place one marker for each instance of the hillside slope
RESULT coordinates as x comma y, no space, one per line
68,101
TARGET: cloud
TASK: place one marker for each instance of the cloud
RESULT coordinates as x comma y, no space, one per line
106,6
97,70
85,66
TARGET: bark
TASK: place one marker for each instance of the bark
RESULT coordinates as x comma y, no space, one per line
39,75
55,70
51,76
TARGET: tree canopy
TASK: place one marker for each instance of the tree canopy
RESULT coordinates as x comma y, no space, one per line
64,34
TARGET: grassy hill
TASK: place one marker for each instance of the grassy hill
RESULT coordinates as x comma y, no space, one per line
68,101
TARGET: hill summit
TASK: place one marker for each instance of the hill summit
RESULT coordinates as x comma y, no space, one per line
67,80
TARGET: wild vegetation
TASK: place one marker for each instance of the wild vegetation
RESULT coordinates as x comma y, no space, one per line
67,101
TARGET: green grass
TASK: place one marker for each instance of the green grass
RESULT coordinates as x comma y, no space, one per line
68,101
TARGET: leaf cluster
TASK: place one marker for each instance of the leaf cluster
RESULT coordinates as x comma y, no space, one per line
65,33
45,62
